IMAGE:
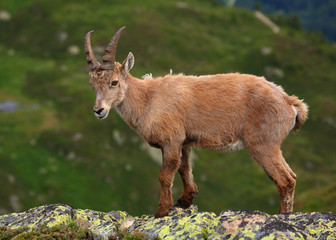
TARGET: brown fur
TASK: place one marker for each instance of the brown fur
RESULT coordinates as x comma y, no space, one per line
219,112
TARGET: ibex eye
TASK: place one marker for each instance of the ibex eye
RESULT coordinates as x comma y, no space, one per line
114,83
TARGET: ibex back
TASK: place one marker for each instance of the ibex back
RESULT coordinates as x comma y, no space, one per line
220,112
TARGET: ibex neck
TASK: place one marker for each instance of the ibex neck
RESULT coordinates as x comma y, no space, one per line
135,101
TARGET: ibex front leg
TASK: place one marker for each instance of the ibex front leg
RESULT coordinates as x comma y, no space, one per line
170,164
189,187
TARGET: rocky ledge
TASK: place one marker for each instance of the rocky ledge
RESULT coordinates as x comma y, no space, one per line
181,223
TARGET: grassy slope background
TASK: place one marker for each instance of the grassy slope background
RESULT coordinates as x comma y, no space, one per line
313,15
52,149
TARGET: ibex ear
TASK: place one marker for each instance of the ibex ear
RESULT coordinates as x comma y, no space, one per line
127,64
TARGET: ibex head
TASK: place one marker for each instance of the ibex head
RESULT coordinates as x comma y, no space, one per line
108,78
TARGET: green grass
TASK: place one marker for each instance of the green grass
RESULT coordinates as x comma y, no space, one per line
58,152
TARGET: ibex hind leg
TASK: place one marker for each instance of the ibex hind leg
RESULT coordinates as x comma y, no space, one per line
189,187
271,160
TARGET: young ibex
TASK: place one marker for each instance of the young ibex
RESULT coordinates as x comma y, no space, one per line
219,112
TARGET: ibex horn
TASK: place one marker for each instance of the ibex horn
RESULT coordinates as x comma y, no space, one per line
90,57
110,51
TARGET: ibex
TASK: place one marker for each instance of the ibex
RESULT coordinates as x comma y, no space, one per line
223,112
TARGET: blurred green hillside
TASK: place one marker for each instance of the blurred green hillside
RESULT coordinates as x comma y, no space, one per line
53,149
319,16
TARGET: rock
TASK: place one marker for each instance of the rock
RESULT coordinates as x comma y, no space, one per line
102,225
265,51
127,223
61,36
15,203
118,137
263,18
5,16
274,72
181,223
181,5
49,215
8,106
73,50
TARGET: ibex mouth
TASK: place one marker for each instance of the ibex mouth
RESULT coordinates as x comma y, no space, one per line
102,115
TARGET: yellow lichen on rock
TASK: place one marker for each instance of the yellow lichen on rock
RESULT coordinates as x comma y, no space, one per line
99,222
49,215
180,224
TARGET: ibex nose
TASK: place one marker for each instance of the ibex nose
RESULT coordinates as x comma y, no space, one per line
98,111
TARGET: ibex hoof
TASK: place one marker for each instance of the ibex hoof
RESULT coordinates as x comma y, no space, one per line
161,213
185,202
